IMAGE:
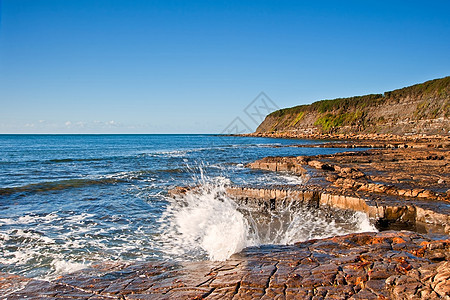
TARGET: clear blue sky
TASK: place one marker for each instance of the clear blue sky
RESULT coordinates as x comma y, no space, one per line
109,66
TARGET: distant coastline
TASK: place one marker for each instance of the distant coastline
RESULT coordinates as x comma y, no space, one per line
414,112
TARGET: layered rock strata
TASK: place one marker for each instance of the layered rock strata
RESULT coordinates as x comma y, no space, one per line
414,111
427,217
407,172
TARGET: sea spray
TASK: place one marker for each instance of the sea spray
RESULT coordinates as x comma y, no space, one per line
205,222
306,223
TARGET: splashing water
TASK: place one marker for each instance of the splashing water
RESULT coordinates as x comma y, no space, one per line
206,223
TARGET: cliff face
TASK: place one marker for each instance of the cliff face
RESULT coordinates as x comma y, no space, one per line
419,109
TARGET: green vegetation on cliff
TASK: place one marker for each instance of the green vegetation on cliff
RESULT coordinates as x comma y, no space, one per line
368,113
324,106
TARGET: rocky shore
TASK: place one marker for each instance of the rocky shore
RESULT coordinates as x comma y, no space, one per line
400,184
368,138
412,179
386,265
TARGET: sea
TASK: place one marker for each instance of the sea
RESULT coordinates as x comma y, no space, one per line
69,201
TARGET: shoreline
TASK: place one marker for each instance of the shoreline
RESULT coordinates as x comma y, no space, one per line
369,137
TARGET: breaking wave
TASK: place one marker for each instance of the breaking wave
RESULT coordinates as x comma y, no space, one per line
206,223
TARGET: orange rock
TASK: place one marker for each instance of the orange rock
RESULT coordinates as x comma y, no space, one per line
377,240
360,281
398,240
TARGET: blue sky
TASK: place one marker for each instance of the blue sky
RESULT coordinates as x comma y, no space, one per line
108,66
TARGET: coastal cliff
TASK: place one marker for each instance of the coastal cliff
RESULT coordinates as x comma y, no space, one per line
419,109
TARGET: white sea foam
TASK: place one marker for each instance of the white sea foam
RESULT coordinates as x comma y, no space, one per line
6,221
172,153
64,267
305,223
185,152
60,243
168,153
288,178
29,219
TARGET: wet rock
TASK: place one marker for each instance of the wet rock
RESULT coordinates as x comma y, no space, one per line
348,172
402,184
389,211
413,172
10,283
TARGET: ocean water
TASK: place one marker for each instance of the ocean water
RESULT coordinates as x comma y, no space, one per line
67,201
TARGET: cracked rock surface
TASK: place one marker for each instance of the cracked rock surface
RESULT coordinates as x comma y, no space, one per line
409,172
386,265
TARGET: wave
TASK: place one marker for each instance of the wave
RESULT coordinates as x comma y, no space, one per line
57,185
177,153
173,153
156,153
66,160
141,175
62,160
204,223
182,153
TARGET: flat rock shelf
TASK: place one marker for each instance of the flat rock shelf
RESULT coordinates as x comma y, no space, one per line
385,265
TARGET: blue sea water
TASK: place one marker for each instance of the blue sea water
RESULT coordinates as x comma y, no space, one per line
67,201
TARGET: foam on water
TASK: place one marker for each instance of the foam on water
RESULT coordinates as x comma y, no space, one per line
266,178
63,267
59,243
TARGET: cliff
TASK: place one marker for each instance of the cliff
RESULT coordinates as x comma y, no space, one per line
419,109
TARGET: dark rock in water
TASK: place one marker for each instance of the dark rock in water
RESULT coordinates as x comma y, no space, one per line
386,265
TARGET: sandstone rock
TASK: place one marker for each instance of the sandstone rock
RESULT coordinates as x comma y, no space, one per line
426,194
288,164
320,165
